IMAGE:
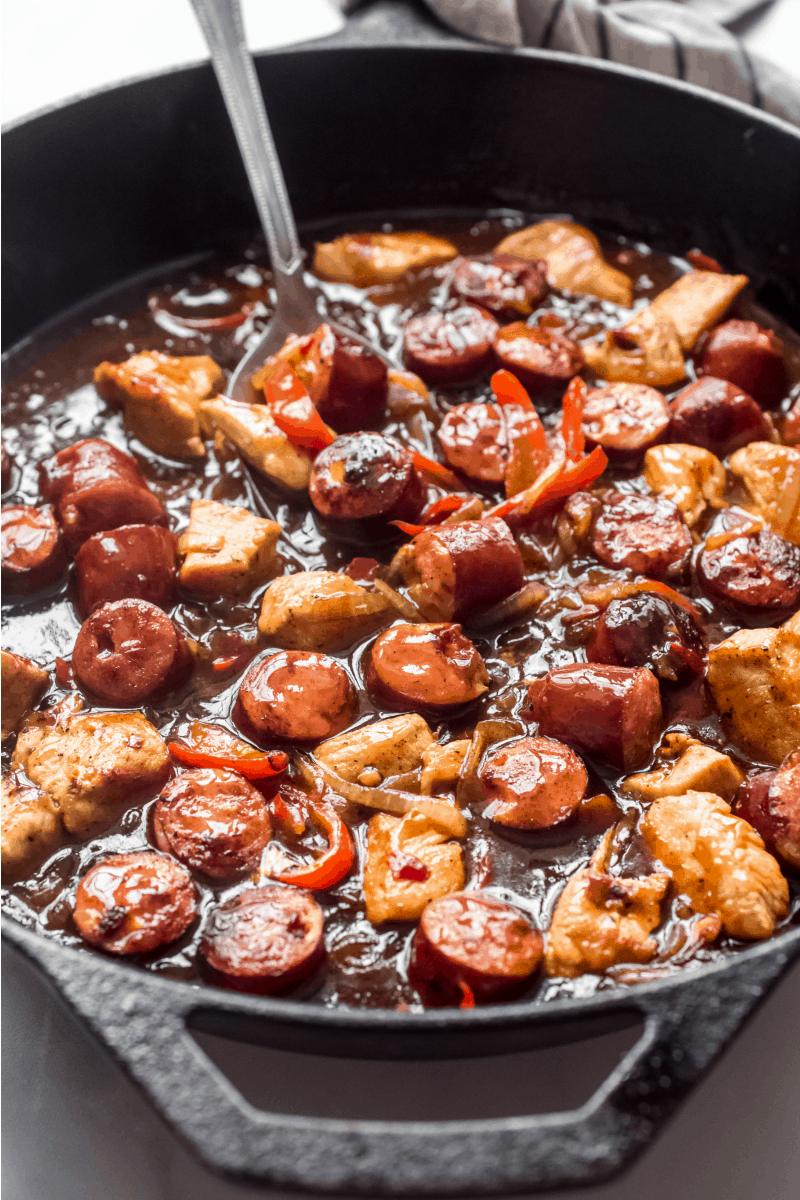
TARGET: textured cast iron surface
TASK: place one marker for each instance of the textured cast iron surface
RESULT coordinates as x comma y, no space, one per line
148,172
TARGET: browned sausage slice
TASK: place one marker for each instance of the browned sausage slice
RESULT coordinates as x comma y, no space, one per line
366,475
756,573
770,802
130,651
446,347
748,356
94,486
131,562
648,631
266,939
134,903
533,784
611,712
298,694
213,820
643,533
32,548
470,945
542,360
467,567
716,415
506,286
357,387
473,440
425,666
625,418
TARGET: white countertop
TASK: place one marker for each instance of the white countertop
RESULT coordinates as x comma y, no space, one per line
75,1129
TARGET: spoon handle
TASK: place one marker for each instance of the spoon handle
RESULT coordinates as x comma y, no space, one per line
223,28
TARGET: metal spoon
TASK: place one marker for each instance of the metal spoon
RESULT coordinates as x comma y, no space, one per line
296,311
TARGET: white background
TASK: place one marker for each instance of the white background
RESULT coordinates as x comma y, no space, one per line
74,1127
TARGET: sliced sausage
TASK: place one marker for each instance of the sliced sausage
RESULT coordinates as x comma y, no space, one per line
748,356
94,486
425,666
472,943
756,573
214,821
542,360
533,784
130,651
266,939
716,415
648,631
363,476
134,903
358,386
32,548
611,712
446,347
298,694
467,567
624,418
646,534
506,286
131,562
473,439
770,802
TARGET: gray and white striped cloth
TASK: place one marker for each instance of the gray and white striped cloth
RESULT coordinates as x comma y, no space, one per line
686,39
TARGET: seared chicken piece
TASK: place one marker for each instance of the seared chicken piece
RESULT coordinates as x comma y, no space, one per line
691,304
601,920
442,764
318,610
755,679
256,436
31,827
161,397
699,769
574,260
386,748
91,764
719,861
228,550
23,682
649,353
368,259
771,475
409,862
689,476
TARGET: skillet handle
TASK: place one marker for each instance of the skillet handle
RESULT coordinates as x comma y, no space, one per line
144,1024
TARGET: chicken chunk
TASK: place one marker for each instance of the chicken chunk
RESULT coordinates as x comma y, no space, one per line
574,260
647,353
691,477
699,769
409,862
754,677
601,920
91,765
370,259
228,550
23,682
692,304
318,610
442,764
718,861
31,827
259,440
161,397
388,748
771,475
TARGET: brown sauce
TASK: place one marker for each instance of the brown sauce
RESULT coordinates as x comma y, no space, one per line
52,403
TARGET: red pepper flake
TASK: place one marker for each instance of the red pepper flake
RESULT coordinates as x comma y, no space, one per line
408,866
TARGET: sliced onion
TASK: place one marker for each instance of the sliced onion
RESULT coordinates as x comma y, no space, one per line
398,602
446,816
528,597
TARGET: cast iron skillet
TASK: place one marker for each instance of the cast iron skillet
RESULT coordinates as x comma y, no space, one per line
117,182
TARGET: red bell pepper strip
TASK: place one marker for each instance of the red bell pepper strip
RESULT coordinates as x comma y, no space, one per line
407,527
441,508
556,483
294,413
215,747
571,428
511,505
508,390
333,865
437,472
